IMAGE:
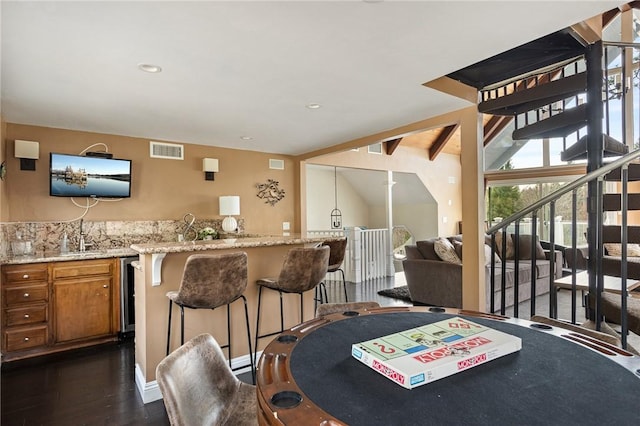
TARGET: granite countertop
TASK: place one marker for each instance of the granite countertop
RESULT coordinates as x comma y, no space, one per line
226,243
57,257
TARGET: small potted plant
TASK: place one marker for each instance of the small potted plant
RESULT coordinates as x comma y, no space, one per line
207,233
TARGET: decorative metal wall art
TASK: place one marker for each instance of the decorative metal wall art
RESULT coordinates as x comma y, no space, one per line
270,192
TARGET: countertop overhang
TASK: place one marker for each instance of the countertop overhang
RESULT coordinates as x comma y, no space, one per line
74,255
227,243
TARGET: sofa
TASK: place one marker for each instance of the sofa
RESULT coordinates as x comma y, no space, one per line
611,261
434,281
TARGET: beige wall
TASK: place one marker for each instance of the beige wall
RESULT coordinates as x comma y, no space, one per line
320,202
162,189
4,205
433,174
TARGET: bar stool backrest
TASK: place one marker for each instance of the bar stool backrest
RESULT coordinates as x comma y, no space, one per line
198,387
336,253
212,280
303,269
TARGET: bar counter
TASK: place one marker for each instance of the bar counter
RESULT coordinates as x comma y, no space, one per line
160,270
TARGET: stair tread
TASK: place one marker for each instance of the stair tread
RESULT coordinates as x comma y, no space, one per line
558,125
536,97
611,233
612,202
632,176
578,151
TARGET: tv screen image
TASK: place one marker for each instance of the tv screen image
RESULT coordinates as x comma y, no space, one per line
97,177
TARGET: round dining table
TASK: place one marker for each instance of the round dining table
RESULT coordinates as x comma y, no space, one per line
308,376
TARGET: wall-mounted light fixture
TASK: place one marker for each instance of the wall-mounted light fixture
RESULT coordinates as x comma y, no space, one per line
229,206
209,167
28,152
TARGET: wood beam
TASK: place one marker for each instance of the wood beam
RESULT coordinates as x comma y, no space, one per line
390,146
494,126
442,140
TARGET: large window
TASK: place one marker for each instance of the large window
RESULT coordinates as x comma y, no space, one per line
504,199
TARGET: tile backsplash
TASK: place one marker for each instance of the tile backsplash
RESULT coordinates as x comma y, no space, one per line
99,235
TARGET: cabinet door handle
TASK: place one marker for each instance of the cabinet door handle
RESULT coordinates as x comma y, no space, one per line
25,276
26,339
26,315
105,286
26,295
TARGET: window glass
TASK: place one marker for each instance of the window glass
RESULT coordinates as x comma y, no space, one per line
505,199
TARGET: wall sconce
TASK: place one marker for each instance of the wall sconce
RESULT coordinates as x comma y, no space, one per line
28,152
209,167
229,206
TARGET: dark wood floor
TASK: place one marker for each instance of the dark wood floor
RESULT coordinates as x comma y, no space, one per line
86,387
96,386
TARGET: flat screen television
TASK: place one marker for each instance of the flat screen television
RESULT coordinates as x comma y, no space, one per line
96,177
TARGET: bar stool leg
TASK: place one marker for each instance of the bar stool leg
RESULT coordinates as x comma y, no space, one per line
246,317
229,331
169,327
344,286
181,325
257,326
281,313
302,307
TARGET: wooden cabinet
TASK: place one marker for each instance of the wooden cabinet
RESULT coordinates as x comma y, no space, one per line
50,307
84,299
25,307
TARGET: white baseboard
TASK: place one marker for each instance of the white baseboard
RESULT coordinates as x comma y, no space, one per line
150,391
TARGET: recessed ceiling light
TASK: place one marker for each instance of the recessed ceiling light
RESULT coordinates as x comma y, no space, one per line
313,106
246,138
150,68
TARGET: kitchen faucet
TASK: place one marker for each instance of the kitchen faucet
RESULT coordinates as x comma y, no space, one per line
81,244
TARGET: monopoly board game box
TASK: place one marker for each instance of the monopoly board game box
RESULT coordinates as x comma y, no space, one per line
421,355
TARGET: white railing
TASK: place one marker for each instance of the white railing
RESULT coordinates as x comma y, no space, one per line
366,255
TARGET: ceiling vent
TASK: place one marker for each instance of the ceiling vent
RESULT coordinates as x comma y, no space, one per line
169,151
276,164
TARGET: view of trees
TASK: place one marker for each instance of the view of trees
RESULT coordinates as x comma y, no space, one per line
503,201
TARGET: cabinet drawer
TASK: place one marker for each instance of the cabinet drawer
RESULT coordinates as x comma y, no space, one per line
25,338
20,294
24,273
23,316
85,268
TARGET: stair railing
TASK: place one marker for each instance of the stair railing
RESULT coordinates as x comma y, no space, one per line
550,200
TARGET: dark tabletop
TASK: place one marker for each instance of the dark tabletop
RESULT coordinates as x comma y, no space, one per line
549,381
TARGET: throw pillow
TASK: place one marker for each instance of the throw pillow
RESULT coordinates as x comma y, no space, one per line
457,245
524,248
509,252
615,249
445,251
487,255
426,249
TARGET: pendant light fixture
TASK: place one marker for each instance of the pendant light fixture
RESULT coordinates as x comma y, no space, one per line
336,214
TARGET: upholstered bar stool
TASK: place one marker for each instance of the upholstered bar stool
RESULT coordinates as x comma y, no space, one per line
336,258
208,282
303,269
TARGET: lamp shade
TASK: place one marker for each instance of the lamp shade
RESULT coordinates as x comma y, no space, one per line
27,149
209,164
229,205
